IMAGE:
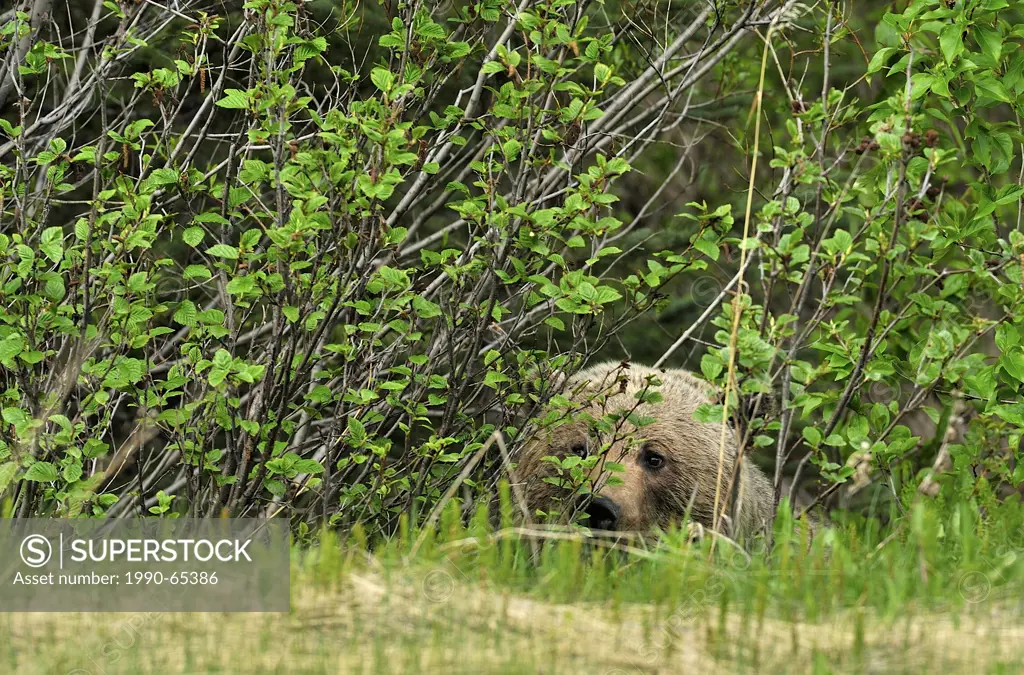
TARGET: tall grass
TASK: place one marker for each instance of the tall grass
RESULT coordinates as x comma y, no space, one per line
939,556
937,590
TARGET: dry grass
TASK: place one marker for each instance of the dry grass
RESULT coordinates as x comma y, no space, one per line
431,623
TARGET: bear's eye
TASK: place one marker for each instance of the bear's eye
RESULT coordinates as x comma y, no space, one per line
579,449
651,459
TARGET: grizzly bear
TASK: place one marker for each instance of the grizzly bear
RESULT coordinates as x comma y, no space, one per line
668,462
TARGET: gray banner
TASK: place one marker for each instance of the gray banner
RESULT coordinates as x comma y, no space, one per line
144,565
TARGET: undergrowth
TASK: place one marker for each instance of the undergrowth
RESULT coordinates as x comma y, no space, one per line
939,556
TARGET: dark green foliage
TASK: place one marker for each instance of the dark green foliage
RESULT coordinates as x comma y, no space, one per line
313,259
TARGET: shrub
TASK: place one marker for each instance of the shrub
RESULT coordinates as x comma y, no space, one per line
306,260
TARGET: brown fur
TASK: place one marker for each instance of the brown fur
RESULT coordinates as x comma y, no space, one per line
649,498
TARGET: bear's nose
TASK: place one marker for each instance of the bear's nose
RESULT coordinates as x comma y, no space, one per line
603,514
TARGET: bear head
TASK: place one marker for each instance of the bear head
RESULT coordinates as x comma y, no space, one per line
649,463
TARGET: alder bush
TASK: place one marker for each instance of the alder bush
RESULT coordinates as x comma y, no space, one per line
322,261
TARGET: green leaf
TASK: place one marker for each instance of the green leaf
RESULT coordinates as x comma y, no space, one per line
1012,413
835,440
216,376
10,347
920,83
425,308
41,472
163,176
54,286
606,294
7,472
382,79
52,243
15,416
31,357
222,358
991,87
356,430
139,314
196,272
708,248
234,99
880,58
1013,364
1007,337
951,41
241,285
186,313
494,377
990,40
193,236
308,466
27,258
211,217
223,251
72,472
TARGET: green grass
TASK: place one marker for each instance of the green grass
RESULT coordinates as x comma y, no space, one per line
939,591
934,558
